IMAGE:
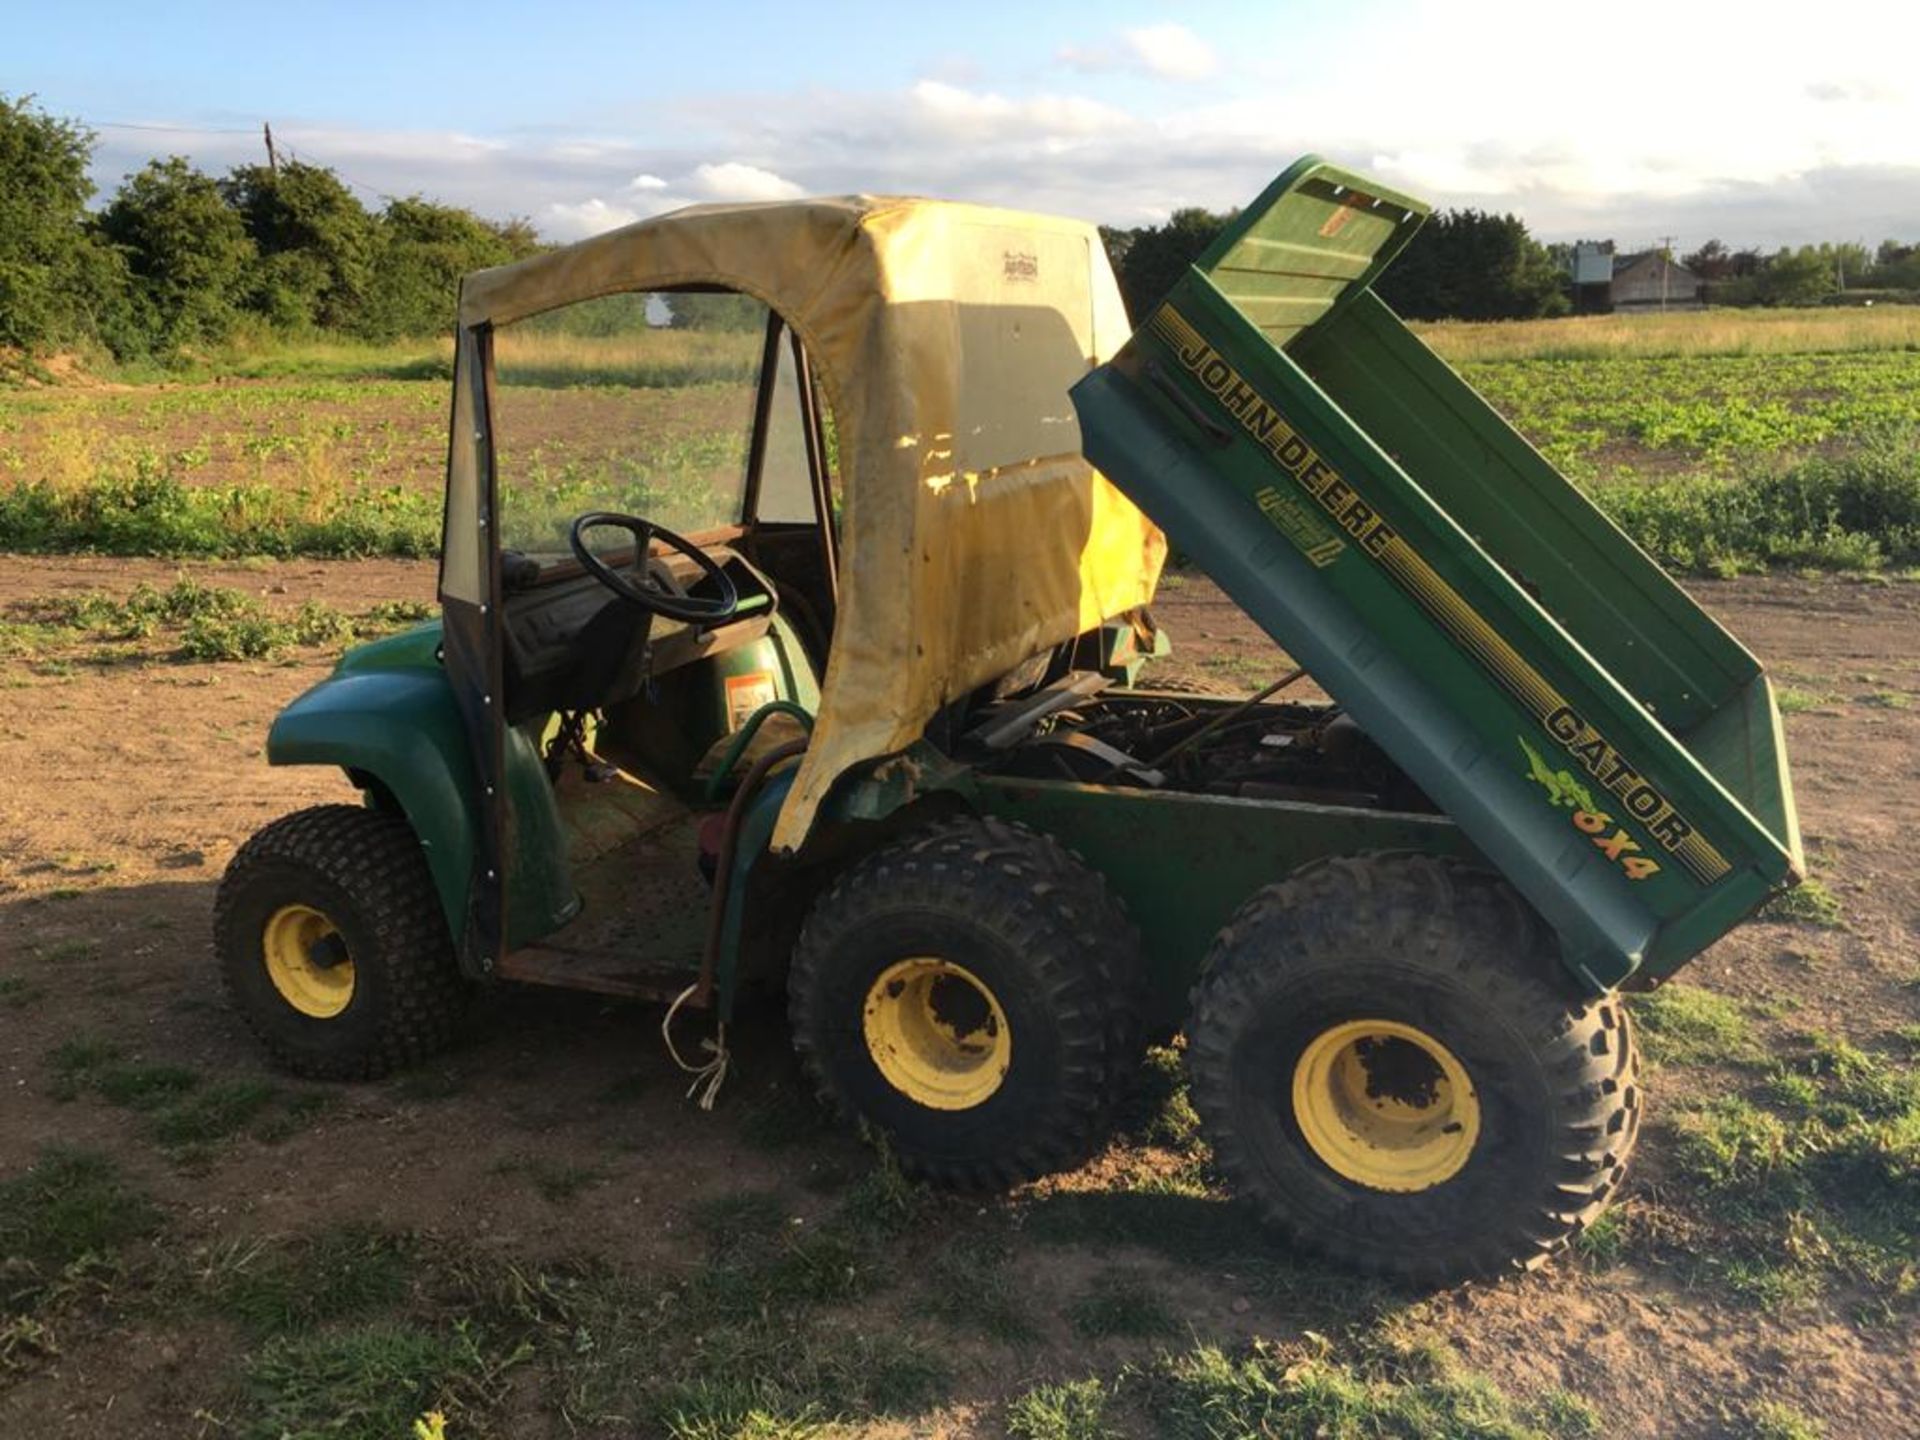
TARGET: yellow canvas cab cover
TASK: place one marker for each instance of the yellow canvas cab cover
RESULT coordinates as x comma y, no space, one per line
973,533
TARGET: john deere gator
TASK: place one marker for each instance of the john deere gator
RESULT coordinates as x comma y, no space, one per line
795,640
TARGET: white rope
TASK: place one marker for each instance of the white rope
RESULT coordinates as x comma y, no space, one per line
707,1078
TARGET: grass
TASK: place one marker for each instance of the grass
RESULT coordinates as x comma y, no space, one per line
1808,903
1855,511
63,1223
66,1206
1794,701
366,1382
1723,442
154,512
179,1110
1682,1024
1772,1420
1808,1179
1419,1393
1676,334
344,1272
1074,1410
1123,1304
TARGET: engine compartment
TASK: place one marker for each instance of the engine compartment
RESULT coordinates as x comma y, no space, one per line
1250,748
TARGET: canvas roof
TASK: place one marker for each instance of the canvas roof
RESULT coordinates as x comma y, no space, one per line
973,533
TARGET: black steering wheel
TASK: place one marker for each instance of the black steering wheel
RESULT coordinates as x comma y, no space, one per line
640,586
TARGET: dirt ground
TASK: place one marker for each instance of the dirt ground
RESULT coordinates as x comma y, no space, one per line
129,785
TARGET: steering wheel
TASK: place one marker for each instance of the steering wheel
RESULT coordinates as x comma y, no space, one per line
641,587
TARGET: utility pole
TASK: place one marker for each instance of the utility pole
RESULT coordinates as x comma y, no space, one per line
273,160
1666,267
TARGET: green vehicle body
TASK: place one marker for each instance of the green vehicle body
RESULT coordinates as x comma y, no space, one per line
1582,726
1603,742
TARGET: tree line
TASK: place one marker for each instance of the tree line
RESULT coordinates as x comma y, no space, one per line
177,258
1476,265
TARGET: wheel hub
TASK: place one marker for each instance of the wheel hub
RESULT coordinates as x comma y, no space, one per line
307,960
936,1033
1385,1105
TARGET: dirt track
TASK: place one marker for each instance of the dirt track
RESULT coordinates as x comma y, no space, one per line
128,786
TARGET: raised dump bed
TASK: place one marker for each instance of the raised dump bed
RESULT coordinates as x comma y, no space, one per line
1604,743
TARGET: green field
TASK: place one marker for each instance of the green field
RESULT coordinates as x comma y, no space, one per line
1723,442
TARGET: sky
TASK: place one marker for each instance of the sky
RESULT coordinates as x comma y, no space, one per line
1757,123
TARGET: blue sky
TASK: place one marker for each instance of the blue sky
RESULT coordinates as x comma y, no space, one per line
1683,119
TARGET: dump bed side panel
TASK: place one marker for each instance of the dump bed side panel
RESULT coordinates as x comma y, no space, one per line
1558,774
1310,244
1621,608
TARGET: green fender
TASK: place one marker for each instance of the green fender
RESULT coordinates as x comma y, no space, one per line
388,712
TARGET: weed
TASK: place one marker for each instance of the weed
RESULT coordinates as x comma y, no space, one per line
74,1062
1808,903
1120,1303
216,1112
1606,1240
1795,701
17,992
67,1205
211,623
1075,1410
366,1382
1684,1025
1885,700
144,1087
1774,1420
1563,1413
63,952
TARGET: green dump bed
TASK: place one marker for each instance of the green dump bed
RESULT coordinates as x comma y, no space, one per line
1606,745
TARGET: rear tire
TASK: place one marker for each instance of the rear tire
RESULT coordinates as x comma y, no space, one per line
1392,1067
333,946
972,995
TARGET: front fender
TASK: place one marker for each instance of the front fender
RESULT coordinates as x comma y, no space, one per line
401,727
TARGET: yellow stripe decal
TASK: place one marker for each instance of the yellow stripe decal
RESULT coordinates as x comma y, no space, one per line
1354,520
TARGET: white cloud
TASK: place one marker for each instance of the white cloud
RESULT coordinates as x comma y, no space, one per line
735,181
1172,51
561,221
1779,140
953,110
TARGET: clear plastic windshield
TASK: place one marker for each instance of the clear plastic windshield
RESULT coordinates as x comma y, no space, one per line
640,403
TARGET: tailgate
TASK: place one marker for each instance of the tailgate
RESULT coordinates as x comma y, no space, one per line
1606,745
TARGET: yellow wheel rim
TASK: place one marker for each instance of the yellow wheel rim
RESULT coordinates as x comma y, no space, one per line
937,1033
1385,1105
303,979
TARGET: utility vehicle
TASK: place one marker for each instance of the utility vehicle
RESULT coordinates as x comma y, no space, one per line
792,641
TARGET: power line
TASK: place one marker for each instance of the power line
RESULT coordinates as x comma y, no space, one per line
291,153
167,129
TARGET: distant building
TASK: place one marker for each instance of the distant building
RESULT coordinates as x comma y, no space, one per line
1590,269
1654,280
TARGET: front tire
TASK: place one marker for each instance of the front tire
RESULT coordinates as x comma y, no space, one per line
333,946
1392,1068
972,995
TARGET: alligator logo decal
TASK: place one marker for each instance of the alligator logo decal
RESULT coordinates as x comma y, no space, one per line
1565,790
1561,786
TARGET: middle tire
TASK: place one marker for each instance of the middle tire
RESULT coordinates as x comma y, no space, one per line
972,994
